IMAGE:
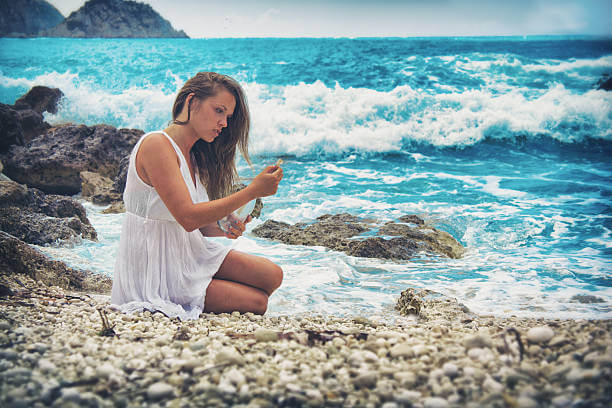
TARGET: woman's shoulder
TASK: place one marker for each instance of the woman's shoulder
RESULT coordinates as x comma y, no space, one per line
155,145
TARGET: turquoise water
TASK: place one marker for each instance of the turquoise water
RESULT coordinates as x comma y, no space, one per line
502,142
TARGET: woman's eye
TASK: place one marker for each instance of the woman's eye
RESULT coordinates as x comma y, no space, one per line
219,110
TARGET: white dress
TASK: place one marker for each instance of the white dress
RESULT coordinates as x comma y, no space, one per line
160,266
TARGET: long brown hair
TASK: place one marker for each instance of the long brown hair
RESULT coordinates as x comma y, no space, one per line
216,161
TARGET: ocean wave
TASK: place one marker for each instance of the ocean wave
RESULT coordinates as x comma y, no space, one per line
317,119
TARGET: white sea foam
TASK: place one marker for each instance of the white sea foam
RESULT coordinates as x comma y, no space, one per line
313,118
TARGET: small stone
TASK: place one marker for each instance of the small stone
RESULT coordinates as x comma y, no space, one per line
493,386
4,325
71,394
367,379
408,397
526,402
562,401
235,377
229,355
540,334
159,391
263,335
405,378
46,366
450,370
105,370
401,350
479,340
435,402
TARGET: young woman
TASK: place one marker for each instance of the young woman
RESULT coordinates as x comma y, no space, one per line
177,189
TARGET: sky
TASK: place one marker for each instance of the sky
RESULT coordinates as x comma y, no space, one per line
378,18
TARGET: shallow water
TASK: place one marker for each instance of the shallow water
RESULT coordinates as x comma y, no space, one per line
504,143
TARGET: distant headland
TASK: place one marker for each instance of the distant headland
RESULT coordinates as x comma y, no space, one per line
95,19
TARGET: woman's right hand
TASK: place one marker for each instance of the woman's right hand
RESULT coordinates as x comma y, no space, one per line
266,182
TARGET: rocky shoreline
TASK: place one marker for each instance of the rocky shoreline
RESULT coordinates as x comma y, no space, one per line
56,351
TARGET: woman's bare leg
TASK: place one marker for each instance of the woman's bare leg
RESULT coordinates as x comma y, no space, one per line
250,270
223,296
243,283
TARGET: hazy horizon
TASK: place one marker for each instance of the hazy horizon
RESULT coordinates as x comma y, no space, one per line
387,18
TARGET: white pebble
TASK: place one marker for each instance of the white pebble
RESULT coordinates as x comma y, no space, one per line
408,397
401,350
435,402
540,334
450,369
105,370
263,335
159,390
229,355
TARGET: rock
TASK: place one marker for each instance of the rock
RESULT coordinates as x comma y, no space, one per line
435,402
605,84
540,334
450,369
479,340
53,161
17,257
159,391
586,299
366,380
262,335
526,402
40,219
409,302
229,355
345,232
32,124
115,208
115,19
26,18
401,350
40,99
98,188
11,132
121,177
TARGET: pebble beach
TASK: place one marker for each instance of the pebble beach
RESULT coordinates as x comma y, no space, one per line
61,348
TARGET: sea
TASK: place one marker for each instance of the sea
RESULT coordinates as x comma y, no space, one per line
504,142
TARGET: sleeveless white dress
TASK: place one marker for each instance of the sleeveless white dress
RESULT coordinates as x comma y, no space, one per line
160,266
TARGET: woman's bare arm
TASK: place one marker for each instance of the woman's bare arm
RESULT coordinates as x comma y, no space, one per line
158,160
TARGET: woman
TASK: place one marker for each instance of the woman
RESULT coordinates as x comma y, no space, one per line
176,190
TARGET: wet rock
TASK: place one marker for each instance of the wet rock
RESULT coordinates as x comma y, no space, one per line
19,258
352,235
430,305
38,218
121,177
115,208
40,99
97,188
605,84
586,299
53,161
11,132
32,124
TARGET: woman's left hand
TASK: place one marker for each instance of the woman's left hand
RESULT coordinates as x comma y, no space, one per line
237,228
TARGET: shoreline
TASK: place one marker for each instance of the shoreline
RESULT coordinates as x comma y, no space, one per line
53,353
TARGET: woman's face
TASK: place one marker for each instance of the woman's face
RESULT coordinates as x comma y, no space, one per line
210,115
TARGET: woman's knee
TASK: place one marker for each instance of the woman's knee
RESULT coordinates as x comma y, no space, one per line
259,304
275,277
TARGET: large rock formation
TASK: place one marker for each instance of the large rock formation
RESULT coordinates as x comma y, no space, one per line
26,18
40,219
115,19
23,121
53,161
366,238
18,258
